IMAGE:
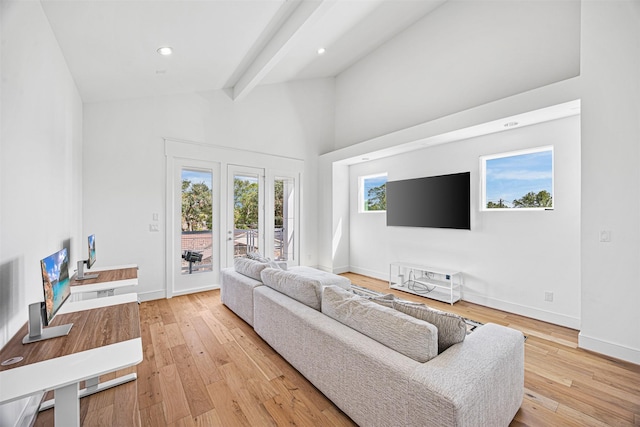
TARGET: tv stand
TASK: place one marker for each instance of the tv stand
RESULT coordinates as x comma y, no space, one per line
429,282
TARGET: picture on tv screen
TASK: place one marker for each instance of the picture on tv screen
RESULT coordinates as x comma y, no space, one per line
55,282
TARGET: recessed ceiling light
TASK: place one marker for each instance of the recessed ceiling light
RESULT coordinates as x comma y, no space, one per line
510,124
321,51
165,50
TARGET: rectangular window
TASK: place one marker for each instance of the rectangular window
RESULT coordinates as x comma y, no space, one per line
518,180
372,194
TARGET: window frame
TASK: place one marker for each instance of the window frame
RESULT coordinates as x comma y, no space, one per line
361,193
483,178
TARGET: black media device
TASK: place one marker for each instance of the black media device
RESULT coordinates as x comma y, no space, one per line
441,201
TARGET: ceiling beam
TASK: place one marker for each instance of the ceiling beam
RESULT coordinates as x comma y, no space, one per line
304,14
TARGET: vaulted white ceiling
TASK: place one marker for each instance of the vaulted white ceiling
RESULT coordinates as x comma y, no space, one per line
111,46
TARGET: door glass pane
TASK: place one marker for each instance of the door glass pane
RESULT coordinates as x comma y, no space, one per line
245,214
284,226
197,221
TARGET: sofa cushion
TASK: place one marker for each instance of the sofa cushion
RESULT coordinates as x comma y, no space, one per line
249,267
452,328
307,290
257,256
323,277
405,334
386,300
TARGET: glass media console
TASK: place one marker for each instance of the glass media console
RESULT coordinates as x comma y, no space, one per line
435,283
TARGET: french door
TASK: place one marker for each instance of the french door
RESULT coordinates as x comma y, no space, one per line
262,214
245,212
193,262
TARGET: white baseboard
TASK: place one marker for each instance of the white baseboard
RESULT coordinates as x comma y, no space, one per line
334,270
522,310
369,273
153,295
535,313
610,349
195,290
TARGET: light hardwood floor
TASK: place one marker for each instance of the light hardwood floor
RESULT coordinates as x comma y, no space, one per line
204,366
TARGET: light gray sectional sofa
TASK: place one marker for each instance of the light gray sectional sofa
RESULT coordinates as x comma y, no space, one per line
380,365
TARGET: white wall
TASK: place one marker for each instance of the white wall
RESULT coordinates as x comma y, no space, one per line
371,109
610,178
464,54
509,259
124,173
40,168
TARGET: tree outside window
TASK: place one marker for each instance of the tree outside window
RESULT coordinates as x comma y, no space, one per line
373,193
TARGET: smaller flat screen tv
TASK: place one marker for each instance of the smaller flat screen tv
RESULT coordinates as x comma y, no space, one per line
441,201
55,283
91,243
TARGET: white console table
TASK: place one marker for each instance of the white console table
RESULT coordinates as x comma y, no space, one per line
430,282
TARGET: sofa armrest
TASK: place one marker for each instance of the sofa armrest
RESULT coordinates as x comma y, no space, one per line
479,381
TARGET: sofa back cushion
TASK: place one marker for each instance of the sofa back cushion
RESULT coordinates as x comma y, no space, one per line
307,290
249,267
323,277
451,328
405,334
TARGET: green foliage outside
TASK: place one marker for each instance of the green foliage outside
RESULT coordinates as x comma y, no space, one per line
196,206
542,199
377,198
279,202
245,203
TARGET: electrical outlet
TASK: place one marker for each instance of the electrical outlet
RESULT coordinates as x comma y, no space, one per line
548,296
605,236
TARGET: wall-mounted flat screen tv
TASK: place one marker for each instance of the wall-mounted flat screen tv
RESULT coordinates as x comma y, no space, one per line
441,201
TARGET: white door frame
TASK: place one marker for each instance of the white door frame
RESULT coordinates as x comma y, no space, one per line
180,149
178,283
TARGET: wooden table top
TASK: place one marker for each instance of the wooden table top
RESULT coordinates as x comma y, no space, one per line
107,276
91,329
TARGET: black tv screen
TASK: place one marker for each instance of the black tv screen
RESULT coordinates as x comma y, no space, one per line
436,201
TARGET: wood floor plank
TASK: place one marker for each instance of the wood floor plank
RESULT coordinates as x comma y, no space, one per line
152,416
166,313
214,348
221,333
227,405
263,364
161,345
194,387
174,400
204,363
174,335
208,419
149,392
249,403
